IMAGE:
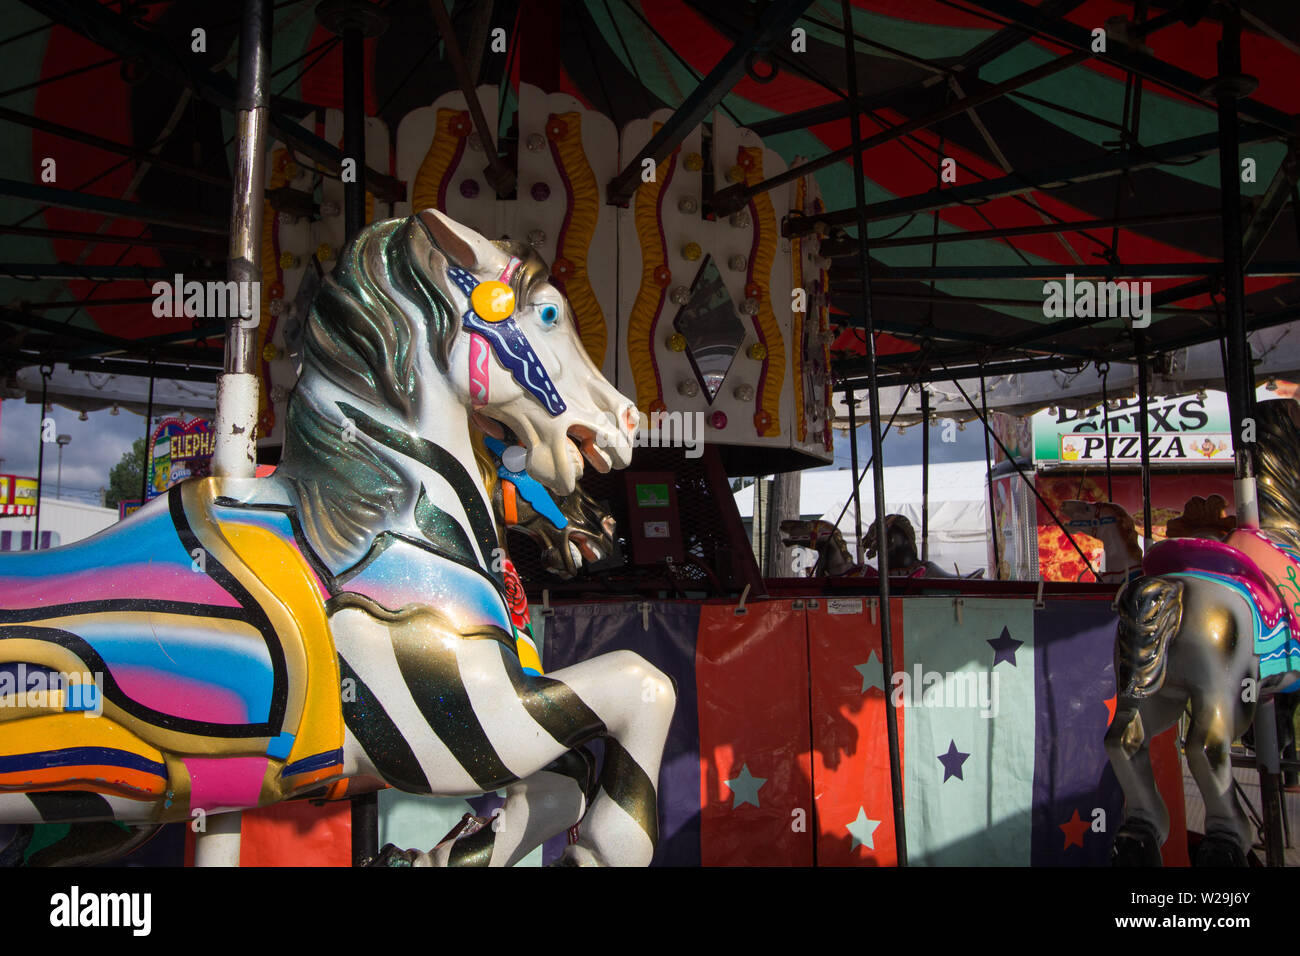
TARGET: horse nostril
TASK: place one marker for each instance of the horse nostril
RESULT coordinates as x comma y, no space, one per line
629,418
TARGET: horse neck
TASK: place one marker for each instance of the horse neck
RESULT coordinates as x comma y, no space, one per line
834,553
350,492
1118,550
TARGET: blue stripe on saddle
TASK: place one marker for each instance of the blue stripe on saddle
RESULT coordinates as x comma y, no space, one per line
1276,647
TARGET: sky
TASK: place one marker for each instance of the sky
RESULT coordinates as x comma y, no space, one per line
97,445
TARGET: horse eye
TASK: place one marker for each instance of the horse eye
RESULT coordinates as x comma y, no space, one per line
550,314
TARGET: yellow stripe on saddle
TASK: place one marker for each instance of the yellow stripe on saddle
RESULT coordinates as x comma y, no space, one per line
283,584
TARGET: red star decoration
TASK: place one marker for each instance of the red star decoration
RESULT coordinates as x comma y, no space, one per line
1074,829
1110,703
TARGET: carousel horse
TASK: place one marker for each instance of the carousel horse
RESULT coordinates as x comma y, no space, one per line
1202,518
1112,524
833,559
900,545
348,623
1213,623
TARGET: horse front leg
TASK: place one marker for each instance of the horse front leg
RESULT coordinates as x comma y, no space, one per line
540,806
1128,744
1216,718
635,701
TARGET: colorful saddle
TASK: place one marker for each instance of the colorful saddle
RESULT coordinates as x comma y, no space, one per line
1265,573
217,679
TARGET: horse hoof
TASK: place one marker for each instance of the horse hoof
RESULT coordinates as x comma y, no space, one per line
1220,850
392,856
575,855
1136,845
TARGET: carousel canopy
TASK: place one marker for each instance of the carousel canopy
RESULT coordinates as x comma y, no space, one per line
1006,146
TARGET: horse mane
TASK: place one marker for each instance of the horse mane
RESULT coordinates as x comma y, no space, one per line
362,337
1277,466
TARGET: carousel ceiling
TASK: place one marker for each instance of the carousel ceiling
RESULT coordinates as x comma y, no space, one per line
1061,159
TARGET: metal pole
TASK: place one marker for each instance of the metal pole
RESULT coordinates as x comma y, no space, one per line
1140,346
144,455
1104,369
355,20
234,452
1230,85
988,477
878,460
1240,385
853,462
46,372
925,474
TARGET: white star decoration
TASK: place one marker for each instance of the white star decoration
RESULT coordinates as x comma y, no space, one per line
863,831
873,673
745,787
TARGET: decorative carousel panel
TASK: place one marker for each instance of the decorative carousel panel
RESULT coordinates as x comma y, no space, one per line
568,154
442,160
708,326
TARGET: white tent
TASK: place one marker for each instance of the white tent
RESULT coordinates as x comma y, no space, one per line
958,507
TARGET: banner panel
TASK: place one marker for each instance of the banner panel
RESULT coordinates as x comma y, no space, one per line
854,800
755,774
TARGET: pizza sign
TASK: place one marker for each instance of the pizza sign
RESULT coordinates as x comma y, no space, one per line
1168,447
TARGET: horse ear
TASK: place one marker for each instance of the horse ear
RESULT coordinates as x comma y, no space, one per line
465,247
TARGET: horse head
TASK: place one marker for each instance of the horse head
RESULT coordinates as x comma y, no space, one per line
423,326
900,542
516,361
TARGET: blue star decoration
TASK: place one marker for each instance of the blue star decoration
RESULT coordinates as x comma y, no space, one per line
873,673
745,787
952,762
1004,648
863,831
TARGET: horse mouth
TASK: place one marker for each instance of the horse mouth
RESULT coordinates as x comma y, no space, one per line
584,442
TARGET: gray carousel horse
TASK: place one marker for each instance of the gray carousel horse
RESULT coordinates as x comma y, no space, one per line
348,623
1213,625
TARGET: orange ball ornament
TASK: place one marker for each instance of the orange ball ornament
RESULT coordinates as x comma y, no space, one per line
493,301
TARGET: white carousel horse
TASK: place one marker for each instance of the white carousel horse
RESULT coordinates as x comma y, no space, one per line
349,622
1112,524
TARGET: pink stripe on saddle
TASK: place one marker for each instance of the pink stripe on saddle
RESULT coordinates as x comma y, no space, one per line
1230,558
161,581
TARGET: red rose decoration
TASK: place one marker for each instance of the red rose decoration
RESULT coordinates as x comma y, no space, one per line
515,596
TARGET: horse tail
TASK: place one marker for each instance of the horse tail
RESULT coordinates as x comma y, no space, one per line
1150,613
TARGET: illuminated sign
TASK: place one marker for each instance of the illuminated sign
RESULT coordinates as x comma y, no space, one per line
178,450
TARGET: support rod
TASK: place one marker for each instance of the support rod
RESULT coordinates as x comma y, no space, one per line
107,206
109,146
925,474
988,479
498,175
148,430
1144,397
878,458
772,23
1029,180
736,197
